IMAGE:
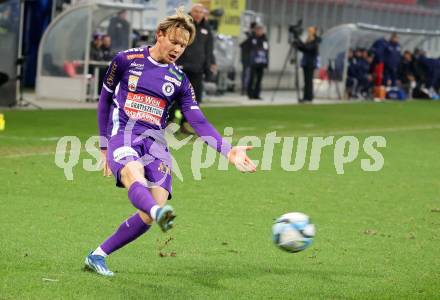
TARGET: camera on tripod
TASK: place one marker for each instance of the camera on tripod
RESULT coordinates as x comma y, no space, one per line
295,31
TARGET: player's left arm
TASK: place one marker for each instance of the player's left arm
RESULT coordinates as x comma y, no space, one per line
111,80
236,155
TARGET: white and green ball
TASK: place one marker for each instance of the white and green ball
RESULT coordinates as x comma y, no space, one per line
293,232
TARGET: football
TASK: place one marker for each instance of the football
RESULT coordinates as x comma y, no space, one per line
293,232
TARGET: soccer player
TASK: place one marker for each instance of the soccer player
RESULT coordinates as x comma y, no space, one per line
138,88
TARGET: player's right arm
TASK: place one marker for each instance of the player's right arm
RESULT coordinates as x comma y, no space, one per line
190,109
111,80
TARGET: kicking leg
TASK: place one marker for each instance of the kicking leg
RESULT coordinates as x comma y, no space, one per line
133,178
139,223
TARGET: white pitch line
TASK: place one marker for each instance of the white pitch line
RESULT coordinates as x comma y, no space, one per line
311,134
41,154
372,130
245,128
12,137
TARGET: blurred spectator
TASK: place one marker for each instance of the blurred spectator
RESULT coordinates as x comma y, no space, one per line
211,72
197,59
245,52
259,60
391,61
107,48
6,20
414,75
407,73
431,70
359,73
95,48
352,81
105,53
119,31
310,50
378,48
366,82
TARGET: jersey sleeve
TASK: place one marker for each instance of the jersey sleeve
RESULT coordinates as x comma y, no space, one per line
204,129
115,72
111,79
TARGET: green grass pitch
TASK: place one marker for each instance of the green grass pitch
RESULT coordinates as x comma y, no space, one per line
378,233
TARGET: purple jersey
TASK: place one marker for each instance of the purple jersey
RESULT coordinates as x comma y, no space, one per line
144,90
137,92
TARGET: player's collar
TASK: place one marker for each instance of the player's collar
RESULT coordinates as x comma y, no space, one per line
156,63
153,61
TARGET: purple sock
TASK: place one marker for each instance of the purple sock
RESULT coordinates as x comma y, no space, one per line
141,197
128,231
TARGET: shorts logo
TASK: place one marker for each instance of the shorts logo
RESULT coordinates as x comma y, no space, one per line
164,169
173,80
123,152
168,88
137,73
132,83
137,55
111,75
137,66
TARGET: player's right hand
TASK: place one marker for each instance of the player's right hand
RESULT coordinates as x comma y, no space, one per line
106,170
237,156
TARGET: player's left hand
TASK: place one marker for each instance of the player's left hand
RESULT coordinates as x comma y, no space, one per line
106,172
237,156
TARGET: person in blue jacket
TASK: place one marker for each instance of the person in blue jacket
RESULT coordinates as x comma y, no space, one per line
378,48
392,57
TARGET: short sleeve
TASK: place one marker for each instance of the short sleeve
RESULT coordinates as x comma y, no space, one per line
115,72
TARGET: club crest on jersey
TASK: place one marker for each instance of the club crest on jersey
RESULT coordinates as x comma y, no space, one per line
132,83
168,89
173,80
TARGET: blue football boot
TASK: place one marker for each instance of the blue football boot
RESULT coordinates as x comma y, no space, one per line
96,263
164,217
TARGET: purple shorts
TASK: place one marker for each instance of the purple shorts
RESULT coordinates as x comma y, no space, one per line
155,158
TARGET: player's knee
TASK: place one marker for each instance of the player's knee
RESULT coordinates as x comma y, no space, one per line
145,218
131,172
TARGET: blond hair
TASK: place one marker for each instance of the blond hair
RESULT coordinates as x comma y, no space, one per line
181,20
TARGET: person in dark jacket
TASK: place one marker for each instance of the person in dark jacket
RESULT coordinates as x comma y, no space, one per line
245,53
407,72
107,48
378,48
259,60
196,61
119,31
95,48
310,50
392,58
